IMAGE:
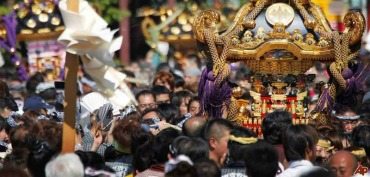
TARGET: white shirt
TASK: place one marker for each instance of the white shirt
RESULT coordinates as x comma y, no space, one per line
297,168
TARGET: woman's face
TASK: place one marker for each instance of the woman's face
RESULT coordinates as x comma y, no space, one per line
184,106
3,135
6,112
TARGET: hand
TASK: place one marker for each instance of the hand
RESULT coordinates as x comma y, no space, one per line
98,140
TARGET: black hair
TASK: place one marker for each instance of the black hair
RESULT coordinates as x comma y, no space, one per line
8,102
183,169
169,112
146,111
296,140
33,81
194,148
235,148
159,89
207,168
179,96
49,94
274,124
261,160
318,172
179,81
4,125
161,144
361,138
193,99
91,159
40,154
163,66
215,128
13,172
144,92
154,151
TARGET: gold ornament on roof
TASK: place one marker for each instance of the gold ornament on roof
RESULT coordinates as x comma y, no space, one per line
273,46
280,13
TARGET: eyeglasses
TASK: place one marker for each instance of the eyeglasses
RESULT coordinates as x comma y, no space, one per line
164,101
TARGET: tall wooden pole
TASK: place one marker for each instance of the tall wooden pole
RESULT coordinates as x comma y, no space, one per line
70,90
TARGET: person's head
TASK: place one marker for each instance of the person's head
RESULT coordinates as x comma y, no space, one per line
216,133
324,149
161,144
318,172
348,118
33,81
146,100
183,169
4,89
299,143
65,165
237,145
150,114
194,148
46,91
169,112
194,106
90,159
165,79
207,168
7,105
274,125
261,159
343,164
4,130
194,126
181,100
361,136
192,75
179,83
123,133
37,104
13,172
162,94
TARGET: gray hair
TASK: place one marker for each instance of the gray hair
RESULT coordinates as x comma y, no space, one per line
65,165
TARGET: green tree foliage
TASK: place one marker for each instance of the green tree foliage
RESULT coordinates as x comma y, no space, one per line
109,10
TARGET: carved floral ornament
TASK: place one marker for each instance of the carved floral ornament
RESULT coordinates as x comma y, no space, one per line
299,28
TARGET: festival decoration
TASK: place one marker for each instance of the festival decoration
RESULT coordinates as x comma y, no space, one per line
8,41
273,40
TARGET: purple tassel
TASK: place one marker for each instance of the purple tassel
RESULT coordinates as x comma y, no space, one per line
213,97
325,102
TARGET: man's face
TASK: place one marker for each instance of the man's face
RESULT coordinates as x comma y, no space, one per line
150,115
342,167
194,108
146,102
162,98
221,147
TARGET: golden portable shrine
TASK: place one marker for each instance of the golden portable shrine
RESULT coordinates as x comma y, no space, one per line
37,24
274,38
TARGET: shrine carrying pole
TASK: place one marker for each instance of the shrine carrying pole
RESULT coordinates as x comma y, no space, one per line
70,90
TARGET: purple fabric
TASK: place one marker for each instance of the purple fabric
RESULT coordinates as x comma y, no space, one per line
363,71
9,44
212,97
325,102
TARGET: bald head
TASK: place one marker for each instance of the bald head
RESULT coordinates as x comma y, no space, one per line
343,164
193,127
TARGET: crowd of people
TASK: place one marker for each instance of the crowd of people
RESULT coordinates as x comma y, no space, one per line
167,134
